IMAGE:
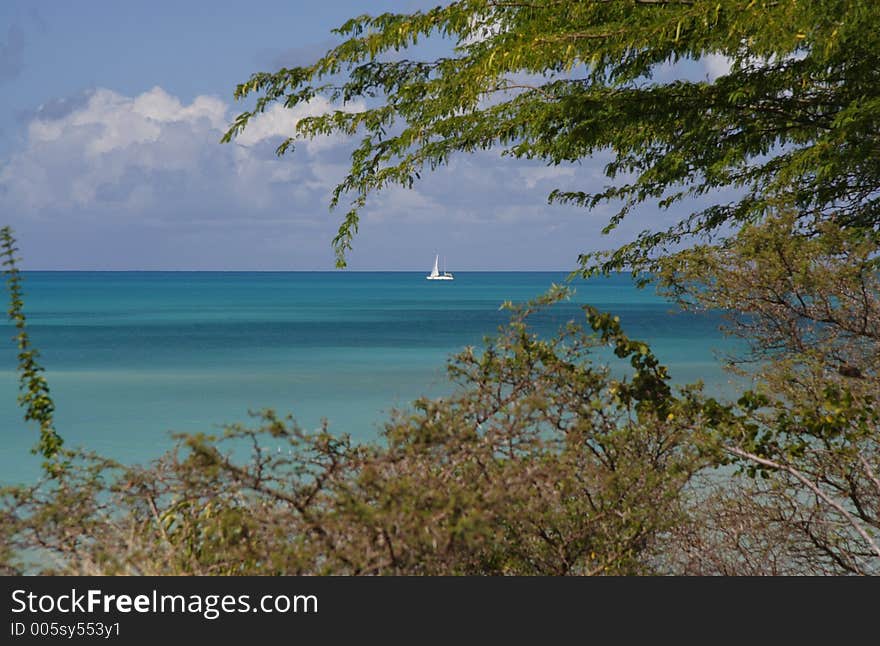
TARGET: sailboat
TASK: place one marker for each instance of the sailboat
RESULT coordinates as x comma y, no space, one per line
435,272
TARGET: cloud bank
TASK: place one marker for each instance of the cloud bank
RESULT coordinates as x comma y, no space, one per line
151,155
108,181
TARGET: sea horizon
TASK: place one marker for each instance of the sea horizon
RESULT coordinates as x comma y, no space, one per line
303,271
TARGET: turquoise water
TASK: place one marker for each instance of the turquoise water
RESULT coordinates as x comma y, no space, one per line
131,356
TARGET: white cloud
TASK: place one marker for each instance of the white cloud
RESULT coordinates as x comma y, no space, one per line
539,175
121,121
716,65
106,180
127,154
281,122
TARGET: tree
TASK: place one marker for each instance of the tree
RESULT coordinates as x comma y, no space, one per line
809,308
790,131
543,462
795,119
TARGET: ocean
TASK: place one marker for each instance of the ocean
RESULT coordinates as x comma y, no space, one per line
131,356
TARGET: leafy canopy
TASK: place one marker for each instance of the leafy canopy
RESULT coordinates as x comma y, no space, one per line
795,119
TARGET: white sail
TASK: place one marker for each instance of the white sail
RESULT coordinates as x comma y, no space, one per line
435,272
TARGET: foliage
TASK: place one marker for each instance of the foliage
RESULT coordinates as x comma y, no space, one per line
34,394
809,306
787,136
544,462
795,119
540,463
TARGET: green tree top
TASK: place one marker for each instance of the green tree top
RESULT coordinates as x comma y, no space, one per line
795,119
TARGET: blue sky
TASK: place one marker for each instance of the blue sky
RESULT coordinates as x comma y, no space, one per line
109,153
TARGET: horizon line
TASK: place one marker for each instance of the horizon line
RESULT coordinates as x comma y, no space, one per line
302,271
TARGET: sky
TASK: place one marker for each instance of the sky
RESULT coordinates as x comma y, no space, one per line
110,158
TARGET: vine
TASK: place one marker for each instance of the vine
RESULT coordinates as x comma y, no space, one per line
34,394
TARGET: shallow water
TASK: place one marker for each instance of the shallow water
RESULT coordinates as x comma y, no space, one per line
133,355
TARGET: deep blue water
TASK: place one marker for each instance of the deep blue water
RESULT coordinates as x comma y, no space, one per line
133,355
